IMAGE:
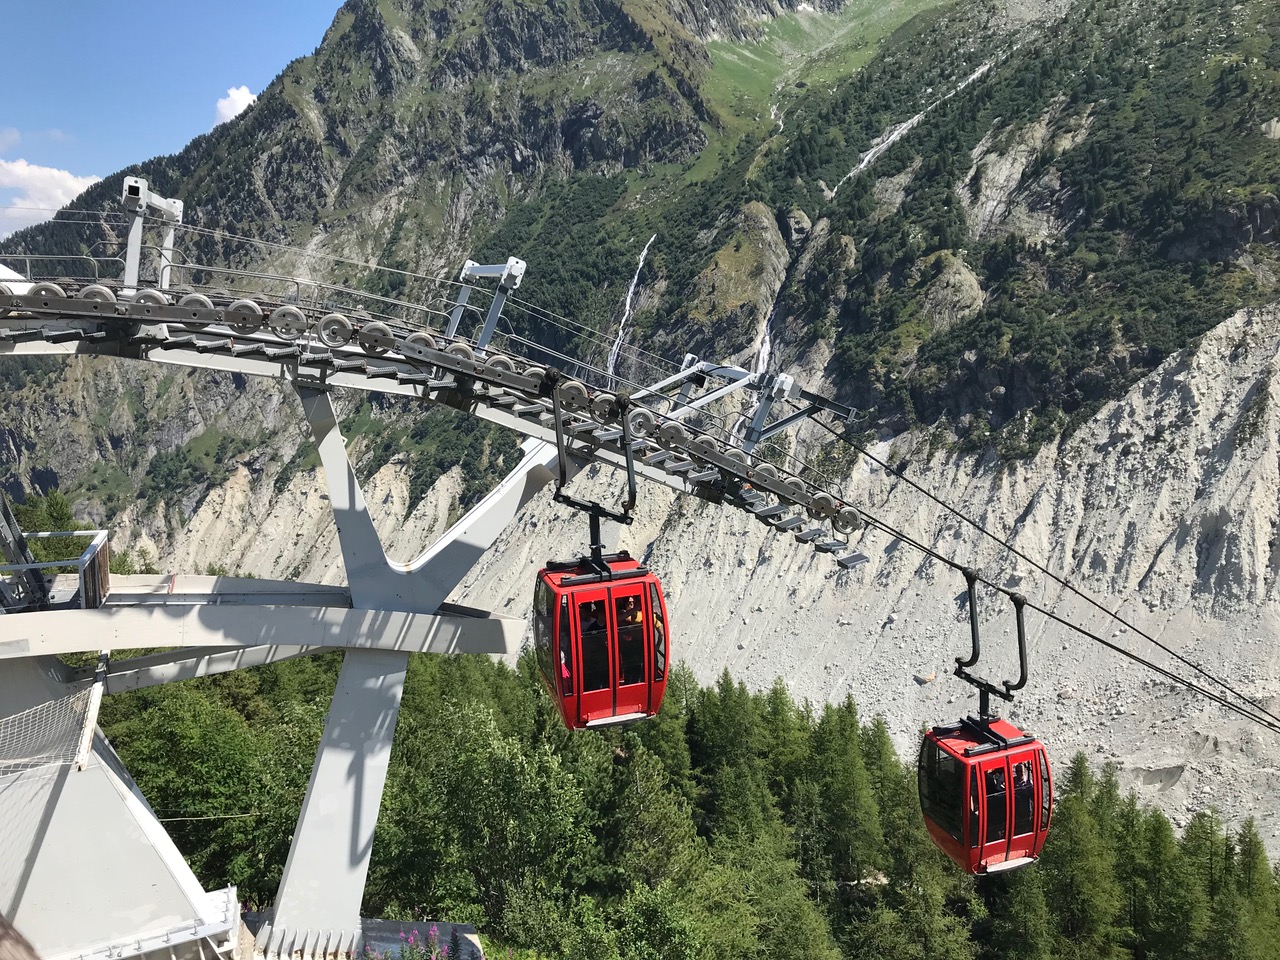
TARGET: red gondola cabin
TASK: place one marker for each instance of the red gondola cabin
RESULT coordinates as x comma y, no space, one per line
601,640
986,794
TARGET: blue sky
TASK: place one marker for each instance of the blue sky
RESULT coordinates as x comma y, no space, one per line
96,85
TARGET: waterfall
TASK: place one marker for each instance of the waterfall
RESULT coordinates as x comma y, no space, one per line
626,311
758,366
902,129
761,363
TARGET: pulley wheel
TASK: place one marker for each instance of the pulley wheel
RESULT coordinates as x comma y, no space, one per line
288,322
244,316
537,375
196,301
573,394
795,490
334,330
500,364
376,338
672,434
703,446
46,290
739,457
765,471
641,422
418,341
96,293
846,520
604,408
461,350
822,506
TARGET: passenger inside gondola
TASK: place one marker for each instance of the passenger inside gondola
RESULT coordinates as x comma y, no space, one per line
975,811
630,640
659,635
1024,799
595,646
997,815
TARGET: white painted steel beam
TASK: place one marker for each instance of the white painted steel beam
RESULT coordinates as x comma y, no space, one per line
323,880
111,628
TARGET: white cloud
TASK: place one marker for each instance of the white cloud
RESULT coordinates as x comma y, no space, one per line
233,104
45,189
9,137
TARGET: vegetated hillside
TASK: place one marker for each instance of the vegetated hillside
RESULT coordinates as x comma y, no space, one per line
402,140
733,825
978,226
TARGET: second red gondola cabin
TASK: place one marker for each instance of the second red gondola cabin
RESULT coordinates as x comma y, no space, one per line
601,640
986,793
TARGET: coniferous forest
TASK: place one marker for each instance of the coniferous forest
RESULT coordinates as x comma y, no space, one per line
735,824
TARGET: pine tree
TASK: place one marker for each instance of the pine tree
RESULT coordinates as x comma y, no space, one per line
1105,803
1257,896
1079,873
893,785
653,924
855,841
725,746
752,903
1176,901
935,920
785,731
1020,923
1205,845
654,835
1131,871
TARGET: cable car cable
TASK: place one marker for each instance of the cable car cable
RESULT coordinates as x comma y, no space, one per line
1046,571
1193,687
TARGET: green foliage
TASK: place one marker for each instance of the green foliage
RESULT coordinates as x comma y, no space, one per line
204,461
226,785
435,440
562,844
17,373
1155,195
51,513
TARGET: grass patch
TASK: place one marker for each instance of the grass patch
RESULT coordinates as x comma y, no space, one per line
799,49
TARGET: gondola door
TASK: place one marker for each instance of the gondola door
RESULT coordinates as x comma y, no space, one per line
993,780
1030,796
1012,831
596,666
631,613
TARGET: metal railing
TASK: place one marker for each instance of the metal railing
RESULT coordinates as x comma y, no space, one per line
92,566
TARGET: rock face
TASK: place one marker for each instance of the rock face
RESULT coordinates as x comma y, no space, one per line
734,294
995,197
1163,508
954,295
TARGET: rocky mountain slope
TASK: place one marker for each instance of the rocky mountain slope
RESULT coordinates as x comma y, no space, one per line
1035,243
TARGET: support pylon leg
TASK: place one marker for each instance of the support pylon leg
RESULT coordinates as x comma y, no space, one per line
323,880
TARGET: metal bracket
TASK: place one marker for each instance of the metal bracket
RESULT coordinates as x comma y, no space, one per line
139,199
508,275
594,511
986,687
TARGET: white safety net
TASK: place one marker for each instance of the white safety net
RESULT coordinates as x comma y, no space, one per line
43,735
